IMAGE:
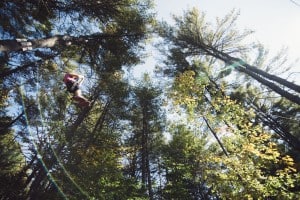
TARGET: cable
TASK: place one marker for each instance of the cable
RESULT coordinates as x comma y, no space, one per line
39,156
49,142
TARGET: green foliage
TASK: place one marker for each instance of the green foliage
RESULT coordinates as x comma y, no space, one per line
183,163
122,147
250,163
12,161
255,166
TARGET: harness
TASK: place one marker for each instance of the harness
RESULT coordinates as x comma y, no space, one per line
74,84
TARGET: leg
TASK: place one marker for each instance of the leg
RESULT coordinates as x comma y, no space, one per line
78,95
82,102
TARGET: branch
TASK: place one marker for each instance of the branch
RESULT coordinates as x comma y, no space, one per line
296,3
215,135
11,123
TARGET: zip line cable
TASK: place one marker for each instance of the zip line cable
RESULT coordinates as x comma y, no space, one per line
39,156
49,142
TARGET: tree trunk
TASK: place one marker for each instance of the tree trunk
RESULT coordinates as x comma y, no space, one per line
274,78
255,73
26,44
215,135
24,67
284,134
146,172
61,40
77,123
100,121
8,125
272,86
144,151
18,69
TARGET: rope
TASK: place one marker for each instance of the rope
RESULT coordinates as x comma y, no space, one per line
54,153
39,155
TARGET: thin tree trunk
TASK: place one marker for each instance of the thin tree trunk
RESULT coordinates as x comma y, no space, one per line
144,148
8,125
232,60
26,44
78,121
17,69
285,135
4,74
101,118
149,186
146,172
215,135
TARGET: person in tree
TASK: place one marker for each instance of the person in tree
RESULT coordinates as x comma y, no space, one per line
73,81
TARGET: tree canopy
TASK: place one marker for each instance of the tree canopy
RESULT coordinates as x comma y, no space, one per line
216,121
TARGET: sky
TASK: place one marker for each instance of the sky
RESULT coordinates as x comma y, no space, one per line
276,23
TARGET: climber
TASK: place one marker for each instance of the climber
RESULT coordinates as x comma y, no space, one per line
73,81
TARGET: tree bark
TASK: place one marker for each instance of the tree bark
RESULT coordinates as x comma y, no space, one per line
61,40
77,123
26,44
101,118
275,88
215,135
232,60
285,135
8,125
273,78
146,172
255,73
4,74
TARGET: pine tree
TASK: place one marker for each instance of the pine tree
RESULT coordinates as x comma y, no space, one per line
146,122
244,161
193,36
71,154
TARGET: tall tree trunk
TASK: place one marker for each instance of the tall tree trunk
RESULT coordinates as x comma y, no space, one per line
284,134
273,78
57,40
26,44
255,73
144,151
99,124
146,173
50,42
272,86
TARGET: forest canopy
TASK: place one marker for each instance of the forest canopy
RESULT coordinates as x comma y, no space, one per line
217,120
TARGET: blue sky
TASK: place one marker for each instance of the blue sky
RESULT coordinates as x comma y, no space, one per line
276,24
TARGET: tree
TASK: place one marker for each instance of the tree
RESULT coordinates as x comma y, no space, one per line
222,43
192,36
146,122
183,165
12,166
244,161
84,163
